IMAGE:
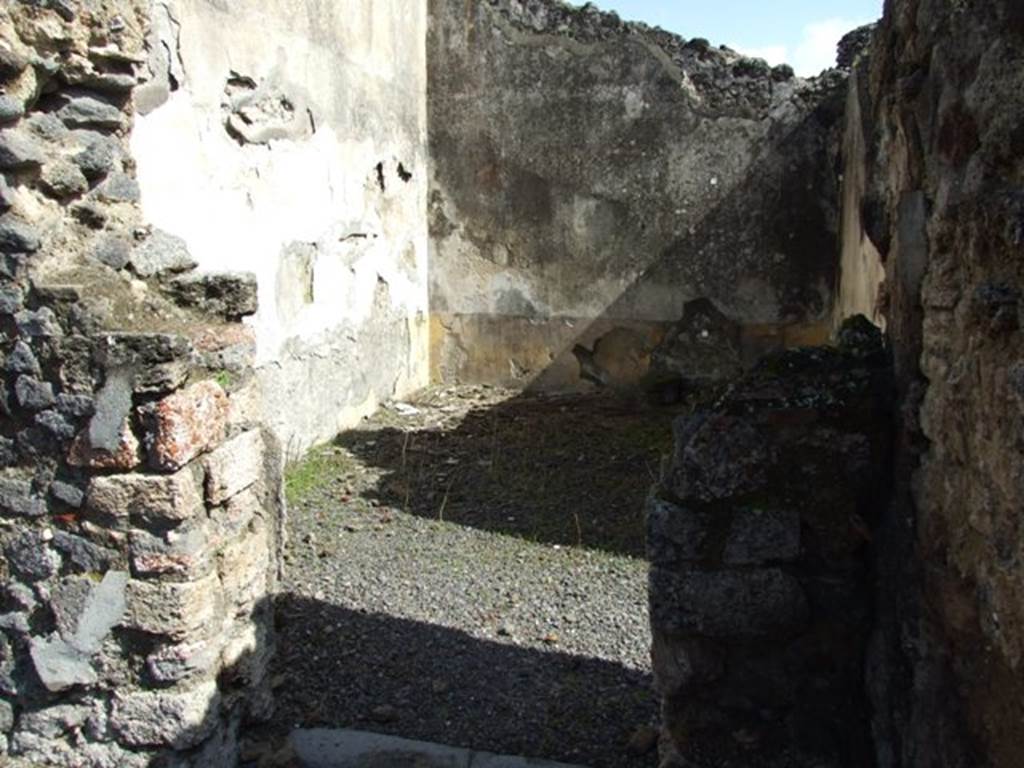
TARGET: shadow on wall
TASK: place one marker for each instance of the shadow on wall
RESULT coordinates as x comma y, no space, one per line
567,470
341,668
795,224
766,251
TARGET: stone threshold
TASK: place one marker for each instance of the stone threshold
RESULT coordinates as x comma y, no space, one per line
339,748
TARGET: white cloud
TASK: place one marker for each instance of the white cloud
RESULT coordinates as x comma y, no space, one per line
817,48
773,54
815,51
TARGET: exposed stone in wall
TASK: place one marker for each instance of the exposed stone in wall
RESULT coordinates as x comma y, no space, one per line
591,176
758,540
940,105
139,510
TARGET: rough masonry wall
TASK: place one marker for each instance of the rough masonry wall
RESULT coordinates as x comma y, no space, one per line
942,205
139,494
758,537
289,138
589,177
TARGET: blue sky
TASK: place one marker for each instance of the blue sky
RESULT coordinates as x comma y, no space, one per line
802,33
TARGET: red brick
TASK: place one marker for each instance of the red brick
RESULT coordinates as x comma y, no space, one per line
186,424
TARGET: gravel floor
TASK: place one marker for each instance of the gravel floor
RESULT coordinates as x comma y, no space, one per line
466,570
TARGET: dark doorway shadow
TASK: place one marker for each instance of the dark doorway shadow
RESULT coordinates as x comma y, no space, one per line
339,668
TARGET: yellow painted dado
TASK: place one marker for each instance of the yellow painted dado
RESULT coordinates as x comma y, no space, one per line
538,353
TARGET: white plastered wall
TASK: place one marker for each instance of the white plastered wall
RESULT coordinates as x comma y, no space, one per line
340,261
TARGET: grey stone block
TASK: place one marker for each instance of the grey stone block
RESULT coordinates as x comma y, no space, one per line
6,195
31,558
67,493
162,377
113,405
33,394
90,212
7,453
22,360
161,253
119,188
234,466
74,407
154,499
17,498
114,83
55,721
15,623
17,235
103,609
179,719
55,424
86,620
100,156
680,663
63,179
726,603
18,151
113,251
675,534
761,536
12,63
143,349
41,323
41,750
83,111
183,661
10,109
67,601
84,554
11,298
230,294
182,612
183,552
718,457
20,597
59,665
46,126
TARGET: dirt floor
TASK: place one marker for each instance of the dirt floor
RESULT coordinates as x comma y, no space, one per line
467,568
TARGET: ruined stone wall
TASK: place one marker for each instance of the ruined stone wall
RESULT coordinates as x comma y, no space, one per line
760,583
941,107
139,493
289,138
589,177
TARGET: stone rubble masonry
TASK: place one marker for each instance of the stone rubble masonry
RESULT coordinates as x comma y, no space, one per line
935,127
234,467
759,584
154,719
139,499
124,457
154,499
181,611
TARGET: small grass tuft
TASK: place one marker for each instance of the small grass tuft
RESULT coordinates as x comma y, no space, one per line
316,470
225,379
